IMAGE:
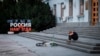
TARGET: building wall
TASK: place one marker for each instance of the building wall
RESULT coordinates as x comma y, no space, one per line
76,11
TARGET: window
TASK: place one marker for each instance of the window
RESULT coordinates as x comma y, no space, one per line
86,5
97,3
70,7
62,9
94,14
54,11
81,7
94,9
97,9
94,4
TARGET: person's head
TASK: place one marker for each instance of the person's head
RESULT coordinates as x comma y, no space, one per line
70,32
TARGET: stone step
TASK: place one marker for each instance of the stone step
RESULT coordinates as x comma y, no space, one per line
87,36
79,48
95,35
79,44
89,32
79,31
86,46
77,27
76,46
84,34
66,36
88,43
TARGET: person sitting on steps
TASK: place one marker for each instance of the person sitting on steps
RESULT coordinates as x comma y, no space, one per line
72,35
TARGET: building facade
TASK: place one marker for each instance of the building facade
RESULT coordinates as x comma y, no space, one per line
76,11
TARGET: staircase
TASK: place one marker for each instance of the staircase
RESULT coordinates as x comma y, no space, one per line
89,37
83,44
86,32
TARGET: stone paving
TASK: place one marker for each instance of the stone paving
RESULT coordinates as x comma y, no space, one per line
11,48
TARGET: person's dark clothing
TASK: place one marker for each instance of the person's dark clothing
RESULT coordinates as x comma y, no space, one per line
74,36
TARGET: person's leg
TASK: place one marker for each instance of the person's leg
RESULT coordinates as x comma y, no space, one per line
69,39
75,38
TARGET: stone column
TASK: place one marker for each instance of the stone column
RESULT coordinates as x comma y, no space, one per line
90,11
99,10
